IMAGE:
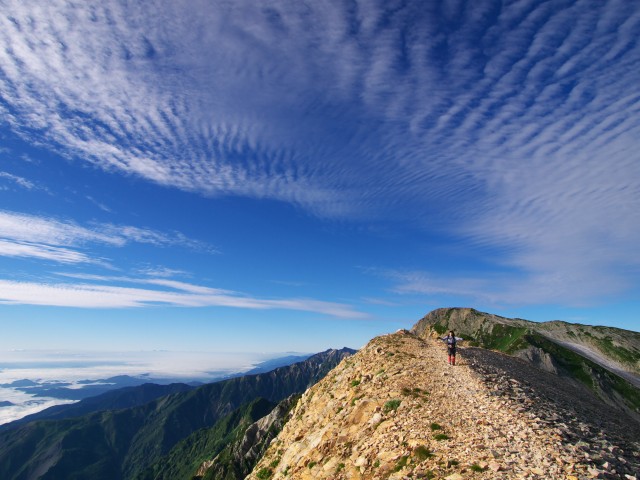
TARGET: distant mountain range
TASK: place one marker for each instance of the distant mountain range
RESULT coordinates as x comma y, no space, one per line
119,444
89,388
368,418
112,400
274,363
41,391
84,388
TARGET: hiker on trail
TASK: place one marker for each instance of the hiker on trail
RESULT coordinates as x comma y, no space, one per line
451,340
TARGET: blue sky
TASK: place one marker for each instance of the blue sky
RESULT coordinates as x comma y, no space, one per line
235,177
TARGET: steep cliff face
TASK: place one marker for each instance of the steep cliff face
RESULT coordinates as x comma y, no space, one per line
396,410
239,457
186,456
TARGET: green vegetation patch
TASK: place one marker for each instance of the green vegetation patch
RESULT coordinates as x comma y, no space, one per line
504,338
391,405
441,436
618,352
402,462
355,383
414,392
435,426
630,393
477,468
439,328
422,453
264,473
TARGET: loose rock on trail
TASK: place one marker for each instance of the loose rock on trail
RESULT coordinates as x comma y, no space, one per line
397,410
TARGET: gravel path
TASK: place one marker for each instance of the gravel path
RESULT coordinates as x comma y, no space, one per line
600,437
396,410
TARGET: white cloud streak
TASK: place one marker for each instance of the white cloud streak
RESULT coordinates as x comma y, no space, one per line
515,126
45,238
42,252
177,294
20,181
24,404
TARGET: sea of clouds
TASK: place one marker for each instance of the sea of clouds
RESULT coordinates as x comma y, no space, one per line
75,370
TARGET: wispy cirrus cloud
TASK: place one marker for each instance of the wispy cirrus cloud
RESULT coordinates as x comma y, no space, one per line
45,238
109,292
513,126
17,180
171,118
10,248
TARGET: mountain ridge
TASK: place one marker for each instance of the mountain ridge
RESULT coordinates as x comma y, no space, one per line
605,359
120,391
396,410
620,346
120,444
393,410
124,397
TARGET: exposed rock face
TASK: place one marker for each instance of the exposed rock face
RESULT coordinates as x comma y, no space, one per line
238,459
396,410
539,358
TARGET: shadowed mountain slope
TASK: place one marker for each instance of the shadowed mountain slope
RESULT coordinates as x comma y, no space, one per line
239,456
120,444
186,457
126,397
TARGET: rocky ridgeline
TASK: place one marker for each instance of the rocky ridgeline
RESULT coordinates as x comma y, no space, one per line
396,410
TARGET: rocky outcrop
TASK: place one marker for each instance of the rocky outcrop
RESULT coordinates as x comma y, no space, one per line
397,410
539,358
238,458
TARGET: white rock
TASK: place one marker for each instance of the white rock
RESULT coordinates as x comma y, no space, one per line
361,462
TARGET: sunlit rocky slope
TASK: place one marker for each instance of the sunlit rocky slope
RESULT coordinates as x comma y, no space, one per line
397,410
